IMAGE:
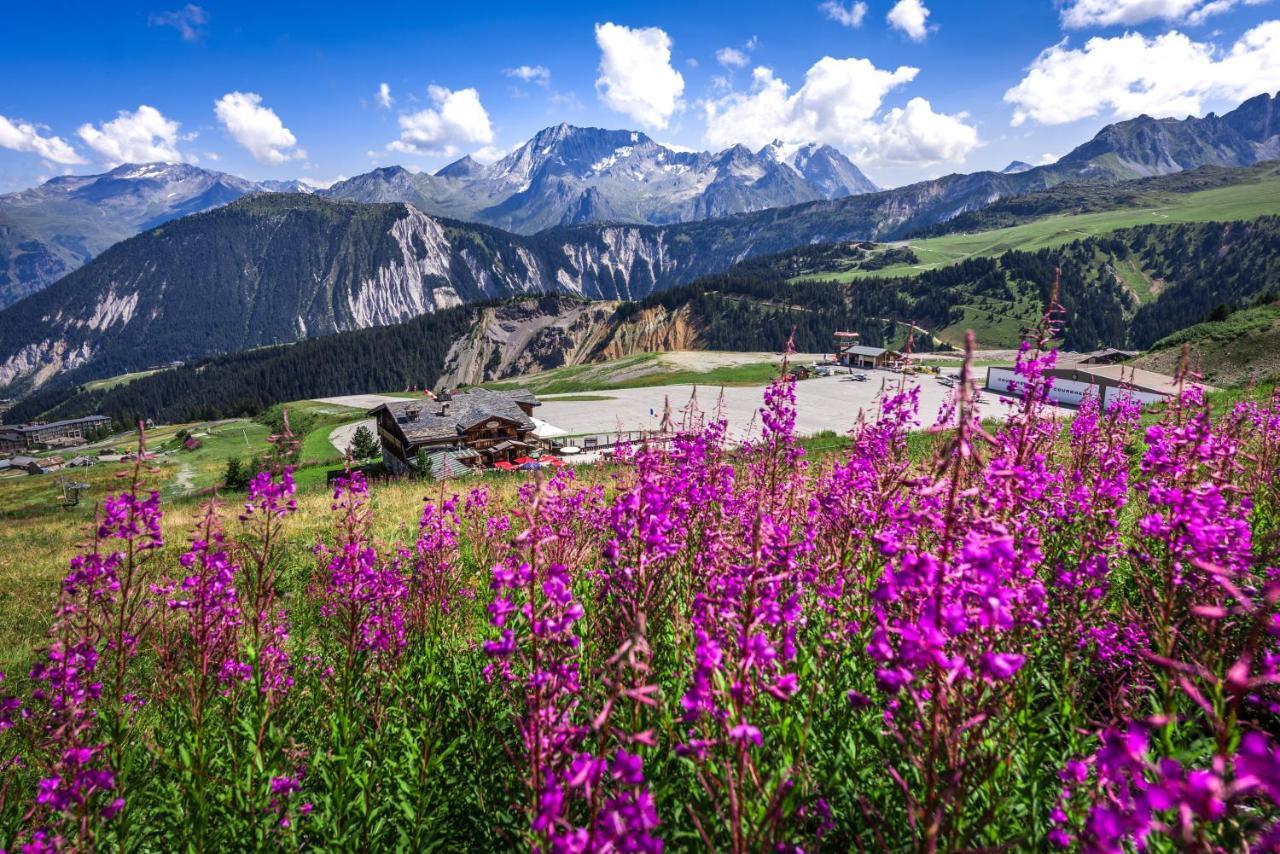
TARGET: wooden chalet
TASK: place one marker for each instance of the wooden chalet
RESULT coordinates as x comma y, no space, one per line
457,432
861,356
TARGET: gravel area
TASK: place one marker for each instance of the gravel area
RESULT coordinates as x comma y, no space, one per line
340,437
822,403
361,401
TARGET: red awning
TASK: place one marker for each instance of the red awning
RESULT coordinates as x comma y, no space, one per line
522,460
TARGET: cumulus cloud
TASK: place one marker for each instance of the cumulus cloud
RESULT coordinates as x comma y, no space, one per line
1105,13
1167,75
17,135
143,136
731,57
188,21
490,153
911,17
539,74
257,128
840,104
850,17
383,96
457,119
636,77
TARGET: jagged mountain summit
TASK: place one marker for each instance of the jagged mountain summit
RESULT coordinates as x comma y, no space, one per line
1017,167
567,175
50,230
1148,146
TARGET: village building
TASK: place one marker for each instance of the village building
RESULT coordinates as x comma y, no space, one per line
23,437
862,356
1107,356
32,465
1072,383
459,432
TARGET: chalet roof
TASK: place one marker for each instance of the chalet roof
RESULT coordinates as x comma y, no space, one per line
510,445
450,462
441,420
869,352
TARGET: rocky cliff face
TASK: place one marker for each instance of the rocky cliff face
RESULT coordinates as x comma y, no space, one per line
531,335
274,269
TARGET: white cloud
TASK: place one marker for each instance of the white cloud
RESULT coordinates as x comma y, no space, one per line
321,183
636,77
1105,13
731,57
489,153
457,119
851,17
383,96
840,104
187,21
1167,75
1046,159
257,128
911,17
539,74
17,135
143,136
674,146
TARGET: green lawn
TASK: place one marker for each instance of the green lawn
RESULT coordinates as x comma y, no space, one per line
177,473
119,380
1239,202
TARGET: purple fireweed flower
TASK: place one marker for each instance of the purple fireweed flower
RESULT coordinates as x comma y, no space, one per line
363,593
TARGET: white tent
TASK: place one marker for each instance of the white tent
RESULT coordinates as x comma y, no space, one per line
543,430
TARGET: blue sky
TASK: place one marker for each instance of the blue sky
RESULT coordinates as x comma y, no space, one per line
908,88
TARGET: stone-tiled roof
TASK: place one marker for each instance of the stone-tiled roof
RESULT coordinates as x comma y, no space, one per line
441,420
450,463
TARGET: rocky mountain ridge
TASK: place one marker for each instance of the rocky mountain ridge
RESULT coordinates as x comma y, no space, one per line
50,230
566,175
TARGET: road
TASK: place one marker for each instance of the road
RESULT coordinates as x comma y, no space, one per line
340,437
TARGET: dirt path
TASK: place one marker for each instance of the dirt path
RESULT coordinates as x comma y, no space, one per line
185,480
340,437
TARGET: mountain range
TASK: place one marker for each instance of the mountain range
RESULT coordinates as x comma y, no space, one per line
563,175
280,267
567,175
50,230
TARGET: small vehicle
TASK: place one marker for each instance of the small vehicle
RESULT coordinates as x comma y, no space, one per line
861,378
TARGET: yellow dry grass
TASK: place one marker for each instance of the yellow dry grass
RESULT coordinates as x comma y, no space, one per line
34,552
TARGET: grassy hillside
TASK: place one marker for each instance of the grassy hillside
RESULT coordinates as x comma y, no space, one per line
1237,202
1239,348
178,472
